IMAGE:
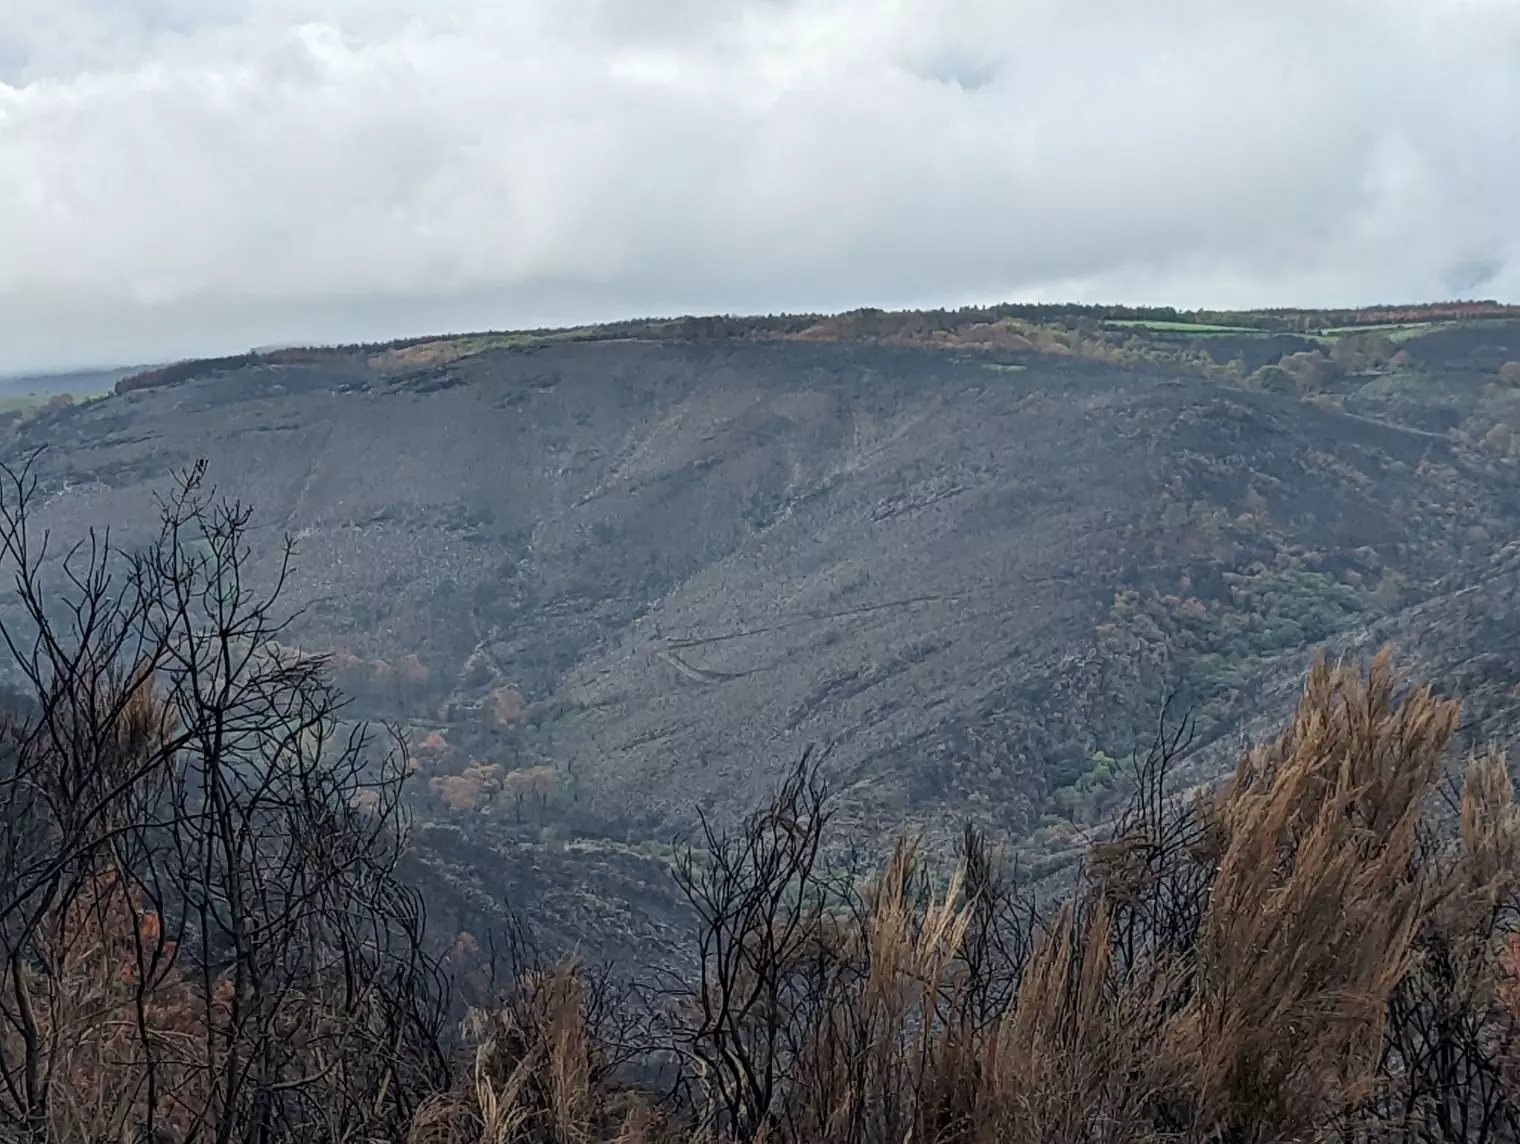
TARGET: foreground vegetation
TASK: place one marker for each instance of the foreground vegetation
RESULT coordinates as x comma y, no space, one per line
1303,954
208,932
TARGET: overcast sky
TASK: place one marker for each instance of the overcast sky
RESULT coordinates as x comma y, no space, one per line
182,177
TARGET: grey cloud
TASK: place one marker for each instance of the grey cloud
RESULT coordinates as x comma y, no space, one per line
184,176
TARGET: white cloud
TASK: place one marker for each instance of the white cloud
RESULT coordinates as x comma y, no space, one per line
183,176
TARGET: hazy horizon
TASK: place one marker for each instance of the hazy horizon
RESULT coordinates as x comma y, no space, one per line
90,367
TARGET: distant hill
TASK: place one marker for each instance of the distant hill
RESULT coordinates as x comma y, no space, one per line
84,381
612,576
21,392
1105,332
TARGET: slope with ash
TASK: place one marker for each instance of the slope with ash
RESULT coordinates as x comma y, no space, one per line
610,583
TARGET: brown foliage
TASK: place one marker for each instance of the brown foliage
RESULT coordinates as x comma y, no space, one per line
206,943
202,937
475,788
1259,964
506,705
433,742
535,784
1313,906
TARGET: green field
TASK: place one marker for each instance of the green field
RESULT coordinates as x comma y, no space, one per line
1179,327
1394,331
26,402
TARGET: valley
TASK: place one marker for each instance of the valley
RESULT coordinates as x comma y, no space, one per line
611,580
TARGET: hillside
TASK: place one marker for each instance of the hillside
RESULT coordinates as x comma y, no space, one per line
609,578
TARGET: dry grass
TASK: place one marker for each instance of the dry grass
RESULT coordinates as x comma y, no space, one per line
1263,1009
1298,956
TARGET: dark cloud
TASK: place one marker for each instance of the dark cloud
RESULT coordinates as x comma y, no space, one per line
183,176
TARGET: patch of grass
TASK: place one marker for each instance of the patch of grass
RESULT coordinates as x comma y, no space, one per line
442,351
1182,327
31,402
1393,331
1398,383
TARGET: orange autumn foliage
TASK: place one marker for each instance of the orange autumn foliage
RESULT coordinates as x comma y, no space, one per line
111,1001
506,705
1509,984
473,789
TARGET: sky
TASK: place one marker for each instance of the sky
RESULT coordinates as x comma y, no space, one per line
184,177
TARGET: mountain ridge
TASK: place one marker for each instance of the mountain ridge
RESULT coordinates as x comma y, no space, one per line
607,583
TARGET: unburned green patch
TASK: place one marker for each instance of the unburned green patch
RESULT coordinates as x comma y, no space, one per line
1180,327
